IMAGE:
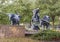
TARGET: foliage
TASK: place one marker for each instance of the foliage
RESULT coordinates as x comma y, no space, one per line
47,35
3,19
25,7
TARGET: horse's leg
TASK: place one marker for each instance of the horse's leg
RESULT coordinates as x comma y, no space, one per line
42,25
18,22
11,22
47,26
14,22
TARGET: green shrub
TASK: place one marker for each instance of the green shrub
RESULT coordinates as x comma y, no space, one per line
47,35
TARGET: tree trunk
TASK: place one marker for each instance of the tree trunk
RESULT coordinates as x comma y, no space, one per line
53,18
59,20
53,23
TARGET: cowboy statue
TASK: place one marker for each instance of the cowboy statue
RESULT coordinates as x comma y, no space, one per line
35,19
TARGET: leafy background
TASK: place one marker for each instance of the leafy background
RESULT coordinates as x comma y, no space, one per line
25,7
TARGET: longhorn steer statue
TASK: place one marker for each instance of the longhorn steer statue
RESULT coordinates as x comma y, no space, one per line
14,18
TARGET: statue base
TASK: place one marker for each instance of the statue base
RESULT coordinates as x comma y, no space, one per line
7,31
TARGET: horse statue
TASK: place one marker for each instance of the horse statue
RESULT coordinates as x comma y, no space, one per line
45,22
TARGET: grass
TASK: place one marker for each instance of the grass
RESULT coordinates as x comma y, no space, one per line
16,40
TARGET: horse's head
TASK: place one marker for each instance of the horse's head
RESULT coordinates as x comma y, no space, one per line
36,11
46,18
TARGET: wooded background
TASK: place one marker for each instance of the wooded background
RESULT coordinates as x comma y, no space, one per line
25,7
